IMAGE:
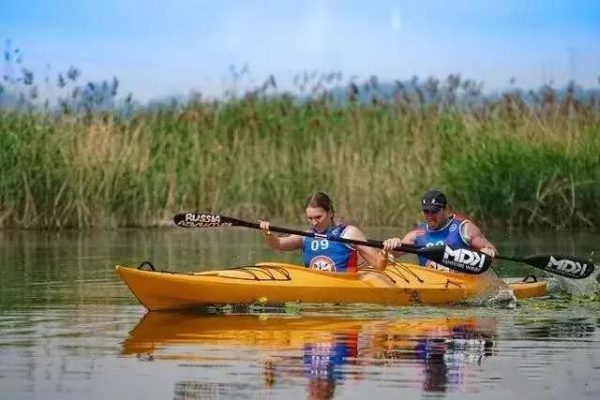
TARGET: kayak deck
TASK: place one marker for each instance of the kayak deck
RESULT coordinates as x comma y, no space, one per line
400,284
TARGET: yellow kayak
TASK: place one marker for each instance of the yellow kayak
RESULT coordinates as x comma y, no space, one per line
399,284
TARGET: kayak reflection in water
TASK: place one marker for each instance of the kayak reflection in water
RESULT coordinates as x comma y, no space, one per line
320,253
443,354
433,354
324,361
445,362
324,356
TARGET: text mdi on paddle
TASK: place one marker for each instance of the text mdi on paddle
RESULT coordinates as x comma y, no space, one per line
461,260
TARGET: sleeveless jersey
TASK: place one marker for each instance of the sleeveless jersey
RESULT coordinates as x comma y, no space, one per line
325,255
450,234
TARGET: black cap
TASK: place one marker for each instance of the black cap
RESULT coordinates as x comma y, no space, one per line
433,200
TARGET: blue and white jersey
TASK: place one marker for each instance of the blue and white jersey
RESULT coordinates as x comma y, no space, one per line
325,255
450,234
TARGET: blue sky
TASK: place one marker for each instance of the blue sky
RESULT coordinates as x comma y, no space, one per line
160,48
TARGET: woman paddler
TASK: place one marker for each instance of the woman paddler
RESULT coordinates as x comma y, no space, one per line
320,253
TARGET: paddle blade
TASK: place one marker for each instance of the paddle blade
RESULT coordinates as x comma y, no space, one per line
201,220
461,260
567,266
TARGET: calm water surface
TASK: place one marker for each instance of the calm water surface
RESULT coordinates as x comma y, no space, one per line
69,329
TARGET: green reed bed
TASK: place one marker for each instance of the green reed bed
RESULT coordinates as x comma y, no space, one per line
503,162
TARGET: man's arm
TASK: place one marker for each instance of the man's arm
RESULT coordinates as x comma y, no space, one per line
475,238
390,244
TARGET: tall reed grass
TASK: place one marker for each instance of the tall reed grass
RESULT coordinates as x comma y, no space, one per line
517,160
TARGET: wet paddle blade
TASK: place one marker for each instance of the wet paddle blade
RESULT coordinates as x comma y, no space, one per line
567,266
461,260
202,220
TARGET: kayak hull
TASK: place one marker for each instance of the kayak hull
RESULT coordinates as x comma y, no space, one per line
404,284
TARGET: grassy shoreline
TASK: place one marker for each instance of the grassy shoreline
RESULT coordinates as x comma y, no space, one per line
505,163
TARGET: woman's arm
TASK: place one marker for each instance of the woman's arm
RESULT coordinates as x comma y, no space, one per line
369,254
286,243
